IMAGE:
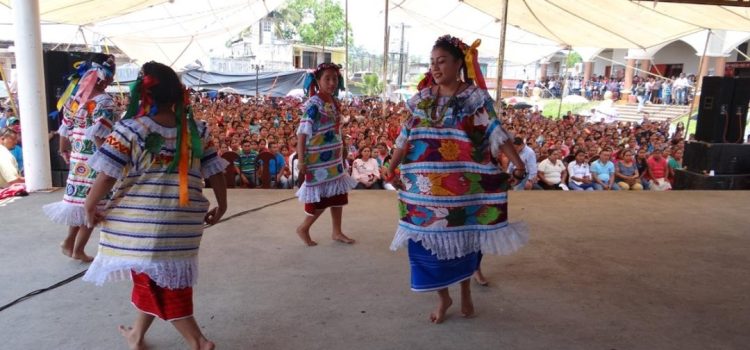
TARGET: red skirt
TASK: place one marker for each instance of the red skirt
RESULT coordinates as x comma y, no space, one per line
327,202
164,303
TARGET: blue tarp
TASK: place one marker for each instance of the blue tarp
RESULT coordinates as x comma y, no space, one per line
274,84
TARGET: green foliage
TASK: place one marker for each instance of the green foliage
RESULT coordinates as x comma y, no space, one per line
326,29
370,85
551,107
573,59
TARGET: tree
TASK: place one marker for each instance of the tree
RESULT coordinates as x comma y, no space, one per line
573,59
370,85
317,22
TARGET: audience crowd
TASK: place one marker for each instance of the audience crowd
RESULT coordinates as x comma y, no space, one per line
570,153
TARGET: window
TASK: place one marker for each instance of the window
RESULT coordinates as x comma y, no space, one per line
327,57
266,26
309,60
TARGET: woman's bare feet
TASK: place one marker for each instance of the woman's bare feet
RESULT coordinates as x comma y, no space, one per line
438,316
481,280
206,344
131,337
341,237
467,305
83,257
67,249
305,236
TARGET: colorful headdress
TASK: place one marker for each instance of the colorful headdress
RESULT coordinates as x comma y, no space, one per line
471,62
189,145
82,82
311,86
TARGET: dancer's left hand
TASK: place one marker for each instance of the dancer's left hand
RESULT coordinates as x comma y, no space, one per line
214,215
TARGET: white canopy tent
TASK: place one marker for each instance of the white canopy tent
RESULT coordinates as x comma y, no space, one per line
175,32
616,23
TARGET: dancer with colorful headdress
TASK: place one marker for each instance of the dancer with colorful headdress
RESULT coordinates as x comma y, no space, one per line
88,115
453,206
320,153
158,157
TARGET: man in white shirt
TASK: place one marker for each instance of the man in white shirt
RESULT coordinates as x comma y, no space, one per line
529,159
9,173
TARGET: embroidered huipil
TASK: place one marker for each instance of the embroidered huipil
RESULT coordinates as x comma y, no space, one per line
454,201
93,119
145,229
326,176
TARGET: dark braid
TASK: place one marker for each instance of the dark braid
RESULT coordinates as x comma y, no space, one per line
455,47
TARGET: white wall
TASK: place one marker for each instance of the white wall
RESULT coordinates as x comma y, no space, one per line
679,52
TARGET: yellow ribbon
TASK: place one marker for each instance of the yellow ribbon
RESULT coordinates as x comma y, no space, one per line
469,56
69,90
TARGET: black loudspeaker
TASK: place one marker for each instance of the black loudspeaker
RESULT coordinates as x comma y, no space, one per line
689,180
723,109
722,158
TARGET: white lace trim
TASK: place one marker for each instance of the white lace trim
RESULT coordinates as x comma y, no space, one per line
215,166
313,194
497,139
172,274
65,213
97,130
103,164
503,241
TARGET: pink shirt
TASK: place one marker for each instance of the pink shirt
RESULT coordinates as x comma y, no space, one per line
658,167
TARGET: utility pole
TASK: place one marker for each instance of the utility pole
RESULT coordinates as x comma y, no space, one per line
386,33
346,44
401,60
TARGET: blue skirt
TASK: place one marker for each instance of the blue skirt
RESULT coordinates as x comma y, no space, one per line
430,274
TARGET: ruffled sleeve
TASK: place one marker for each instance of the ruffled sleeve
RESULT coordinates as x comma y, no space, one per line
496,133
211,163
306,123
115,155
103,117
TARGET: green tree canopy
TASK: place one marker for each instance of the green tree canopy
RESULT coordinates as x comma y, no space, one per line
317,22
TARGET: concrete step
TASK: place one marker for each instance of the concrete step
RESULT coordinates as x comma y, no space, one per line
629,112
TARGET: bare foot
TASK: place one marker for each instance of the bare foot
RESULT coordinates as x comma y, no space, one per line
83,257
438,315
479,277
305,236
66,250
342,238
132,338
206,344
467,307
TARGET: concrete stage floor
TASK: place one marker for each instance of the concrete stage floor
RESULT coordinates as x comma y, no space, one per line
601,271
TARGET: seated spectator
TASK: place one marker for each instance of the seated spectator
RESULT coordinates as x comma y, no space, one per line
579,173
9,172
626,172
366,170
276,166
551,171
658,171
528,156
642,164
603,172
286,173
246,164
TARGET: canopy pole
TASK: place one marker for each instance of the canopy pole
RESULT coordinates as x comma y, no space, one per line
385,58
501,55
7,89
698,85
31,97
565,82
346,45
